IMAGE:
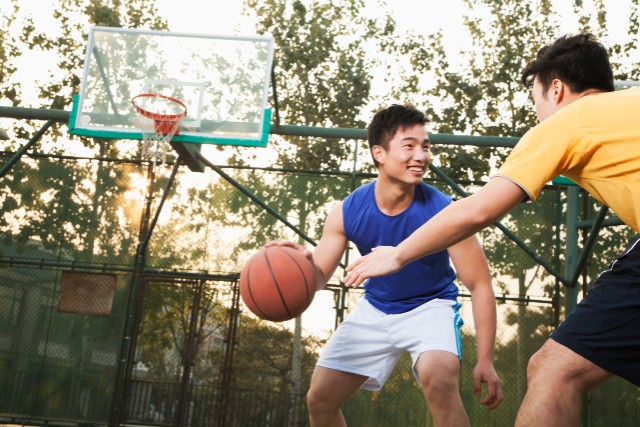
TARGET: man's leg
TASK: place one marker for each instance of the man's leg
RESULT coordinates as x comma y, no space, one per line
439,373
329,389
557,378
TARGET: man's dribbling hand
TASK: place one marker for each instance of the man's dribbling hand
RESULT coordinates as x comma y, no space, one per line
288,244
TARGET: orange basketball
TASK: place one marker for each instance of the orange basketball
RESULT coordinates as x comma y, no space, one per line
277,283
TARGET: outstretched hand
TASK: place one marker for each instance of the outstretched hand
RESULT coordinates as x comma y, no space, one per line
380,262
485,373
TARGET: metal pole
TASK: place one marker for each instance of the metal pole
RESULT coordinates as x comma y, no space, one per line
502,228
12,161
190,344
255,198
278,129
135,297
591,240
226,377
571,293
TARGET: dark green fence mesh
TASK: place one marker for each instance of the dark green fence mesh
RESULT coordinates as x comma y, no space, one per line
89,336
57,362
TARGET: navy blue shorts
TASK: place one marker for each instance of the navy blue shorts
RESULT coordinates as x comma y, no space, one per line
604,327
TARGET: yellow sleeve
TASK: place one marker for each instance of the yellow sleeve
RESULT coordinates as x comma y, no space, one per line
543,153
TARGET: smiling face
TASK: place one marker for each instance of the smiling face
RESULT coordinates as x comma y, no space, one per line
406,157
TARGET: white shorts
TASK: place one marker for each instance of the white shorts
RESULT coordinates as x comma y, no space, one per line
369,342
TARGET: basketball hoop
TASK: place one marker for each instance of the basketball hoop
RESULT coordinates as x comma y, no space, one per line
159,120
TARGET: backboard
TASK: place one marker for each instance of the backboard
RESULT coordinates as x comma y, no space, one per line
222,80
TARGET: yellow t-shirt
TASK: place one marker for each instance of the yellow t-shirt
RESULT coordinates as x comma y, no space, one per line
594,141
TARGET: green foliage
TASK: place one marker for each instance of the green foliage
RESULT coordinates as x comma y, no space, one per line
399,403
321,73
264,356
483,96
168,338
296,197
9,52
49,204
263,349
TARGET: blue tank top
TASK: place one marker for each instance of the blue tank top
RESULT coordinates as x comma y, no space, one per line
419,281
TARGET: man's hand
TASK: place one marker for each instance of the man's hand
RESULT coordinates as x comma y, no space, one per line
295,246
380,262
485,373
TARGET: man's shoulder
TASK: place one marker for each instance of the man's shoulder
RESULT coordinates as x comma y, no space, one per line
359,195
362,190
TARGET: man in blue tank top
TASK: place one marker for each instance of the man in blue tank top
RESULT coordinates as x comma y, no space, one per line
414,309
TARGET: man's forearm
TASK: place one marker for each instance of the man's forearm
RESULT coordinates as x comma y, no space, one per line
484,318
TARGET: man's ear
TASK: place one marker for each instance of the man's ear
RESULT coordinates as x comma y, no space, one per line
376,152
558,90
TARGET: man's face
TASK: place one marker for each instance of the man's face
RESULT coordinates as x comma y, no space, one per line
408,155
543,100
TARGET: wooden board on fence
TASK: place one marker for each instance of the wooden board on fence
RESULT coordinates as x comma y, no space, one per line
87,293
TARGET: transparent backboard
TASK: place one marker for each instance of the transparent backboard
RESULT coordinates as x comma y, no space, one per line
222,80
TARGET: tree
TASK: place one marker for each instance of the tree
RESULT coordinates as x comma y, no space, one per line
9,52
72,211
88,214
484,97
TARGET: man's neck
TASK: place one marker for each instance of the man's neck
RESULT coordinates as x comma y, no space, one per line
393,198
575,96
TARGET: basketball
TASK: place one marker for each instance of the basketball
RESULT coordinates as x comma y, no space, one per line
277,283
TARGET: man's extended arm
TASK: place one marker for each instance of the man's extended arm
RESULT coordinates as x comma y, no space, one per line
457,222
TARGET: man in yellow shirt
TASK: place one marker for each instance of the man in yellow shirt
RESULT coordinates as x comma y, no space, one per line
590,134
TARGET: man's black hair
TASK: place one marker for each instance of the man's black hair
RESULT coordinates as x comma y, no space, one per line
580,61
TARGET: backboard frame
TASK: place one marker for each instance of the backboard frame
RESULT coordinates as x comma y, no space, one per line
252,132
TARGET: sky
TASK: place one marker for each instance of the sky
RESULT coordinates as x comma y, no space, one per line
424,17
227,18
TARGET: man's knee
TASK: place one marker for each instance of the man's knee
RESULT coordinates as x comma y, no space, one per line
316,400
439,380
551,363
438,373
323,400
555,365
435,387
536,364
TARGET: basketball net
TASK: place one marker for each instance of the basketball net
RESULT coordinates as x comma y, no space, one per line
159,119
155,145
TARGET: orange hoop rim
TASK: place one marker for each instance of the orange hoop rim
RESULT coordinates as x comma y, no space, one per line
159,116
